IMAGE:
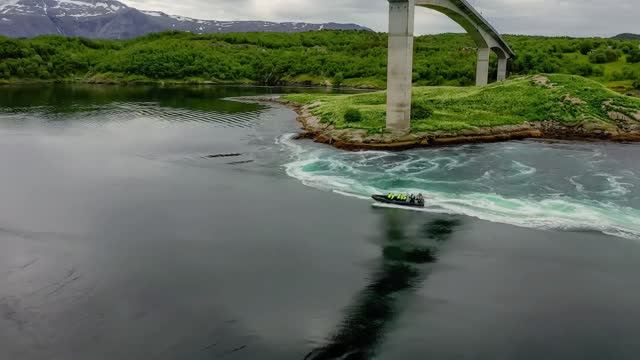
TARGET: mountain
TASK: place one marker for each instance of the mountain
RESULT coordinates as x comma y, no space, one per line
110,19
627,36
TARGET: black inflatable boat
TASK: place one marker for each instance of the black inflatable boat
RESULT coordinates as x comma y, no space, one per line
402,200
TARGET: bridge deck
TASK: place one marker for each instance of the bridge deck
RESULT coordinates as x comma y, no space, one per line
474,15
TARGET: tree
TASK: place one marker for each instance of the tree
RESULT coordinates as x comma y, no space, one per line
583,70
602,56
629,72
627,48
634,56
338,79
598,57
612,55
585,47
4,71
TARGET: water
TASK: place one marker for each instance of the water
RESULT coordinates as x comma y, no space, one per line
548,185
169,223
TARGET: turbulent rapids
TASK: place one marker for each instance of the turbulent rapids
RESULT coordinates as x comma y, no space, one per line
553,185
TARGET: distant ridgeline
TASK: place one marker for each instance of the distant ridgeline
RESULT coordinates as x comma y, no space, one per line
111,19
627,36
349,58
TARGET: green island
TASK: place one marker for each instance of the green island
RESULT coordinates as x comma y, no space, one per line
540,106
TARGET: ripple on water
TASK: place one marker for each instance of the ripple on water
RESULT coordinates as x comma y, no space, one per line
121,112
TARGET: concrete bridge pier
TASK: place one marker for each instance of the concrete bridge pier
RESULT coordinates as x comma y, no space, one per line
502,68
400,64
482,70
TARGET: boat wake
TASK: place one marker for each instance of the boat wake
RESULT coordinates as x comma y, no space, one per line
583,187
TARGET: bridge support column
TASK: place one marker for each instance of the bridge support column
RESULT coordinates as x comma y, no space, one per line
482,71
400,64
502,69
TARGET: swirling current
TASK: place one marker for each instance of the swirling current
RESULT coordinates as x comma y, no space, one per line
547,185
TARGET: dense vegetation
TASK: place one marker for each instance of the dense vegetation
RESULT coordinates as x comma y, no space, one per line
565,99
348,58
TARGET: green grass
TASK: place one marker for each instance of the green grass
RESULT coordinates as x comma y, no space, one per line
619,71
507,103
366,82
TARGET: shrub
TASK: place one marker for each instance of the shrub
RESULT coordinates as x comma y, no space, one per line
352,115
612,55
602,56
582,69
338,79
636,84
598,71
630,73
585,47
634,56
627,73
420,111
598,57
627,48
616,76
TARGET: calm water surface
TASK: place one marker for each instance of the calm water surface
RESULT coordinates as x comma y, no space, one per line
169,223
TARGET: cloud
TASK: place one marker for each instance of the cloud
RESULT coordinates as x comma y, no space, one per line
535,17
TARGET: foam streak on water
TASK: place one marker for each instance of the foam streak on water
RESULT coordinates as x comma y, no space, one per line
560,186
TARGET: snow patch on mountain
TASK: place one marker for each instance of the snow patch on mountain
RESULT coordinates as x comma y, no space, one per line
153,13
7,3
112,19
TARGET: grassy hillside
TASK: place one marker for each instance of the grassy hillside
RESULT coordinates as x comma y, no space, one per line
565,99
350,58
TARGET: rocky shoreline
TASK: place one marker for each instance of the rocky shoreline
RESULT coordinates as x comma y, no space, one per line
358,139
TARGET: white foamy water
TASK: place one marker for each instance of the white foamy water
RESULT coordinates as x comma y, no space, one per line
556,186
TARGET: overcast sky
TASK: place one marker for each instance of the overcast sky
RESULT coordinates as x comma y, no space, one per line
536,17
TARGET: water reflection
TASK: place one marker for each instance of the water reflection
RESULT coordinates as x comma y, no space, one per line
75,98
406,251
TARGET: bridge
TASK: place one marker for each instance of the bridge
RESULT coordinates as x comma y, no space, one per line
400,65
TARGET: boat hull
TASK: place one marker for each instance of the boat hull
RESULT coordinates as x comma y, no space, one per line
384,199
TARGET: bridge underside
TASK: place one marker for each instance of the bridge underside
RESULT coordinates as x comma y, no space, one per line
400,66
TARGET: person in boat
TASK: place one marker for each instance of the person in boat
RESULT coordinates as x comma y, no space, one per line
420,199
397,197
